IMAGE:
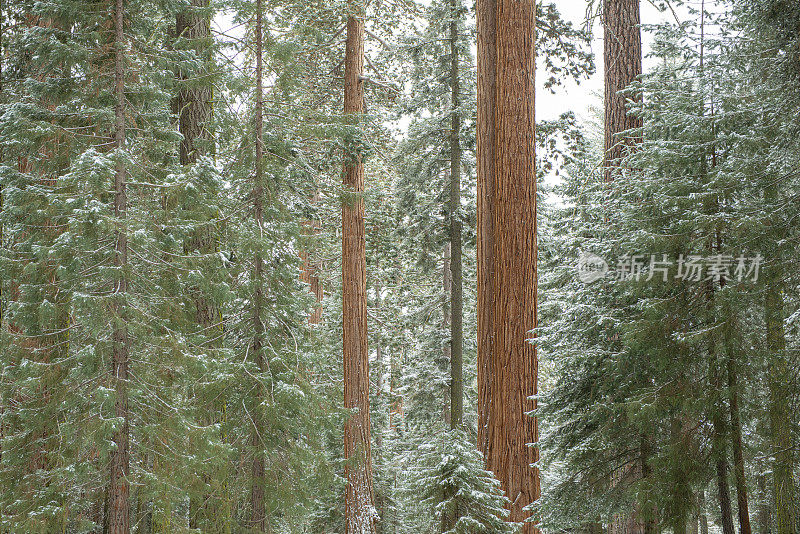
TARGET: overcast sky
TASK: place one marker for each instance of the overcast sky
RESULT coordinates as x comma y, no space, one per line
589,94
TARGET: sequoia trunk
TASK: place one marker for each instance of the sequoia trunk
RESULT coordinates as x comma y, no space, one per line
359,498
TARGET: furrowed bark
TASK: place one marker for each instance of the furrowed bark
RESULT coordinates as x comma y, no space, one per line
514,362
622,55
359,496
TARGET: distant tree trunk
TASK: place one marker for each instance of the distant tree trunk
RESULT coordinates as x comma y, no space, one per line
449,516
779,376
396,412
456,295
309,271
738,455
119,507
764,516
194,97
380,497
258,519
193,107
702,511
681,495
622,55
359,497
486,15
718,447
2,239
447,286
513,301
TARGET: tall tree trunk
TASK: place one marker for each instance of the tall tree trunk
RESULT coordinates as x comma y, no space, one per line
486,17
622,56
258,519
193,107
359,496
119,509
456,289
513,302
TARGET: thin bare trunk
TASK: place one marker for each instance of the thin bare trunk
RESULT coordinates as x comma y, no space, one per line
119,509
718,448
456,289
738,454
447,286
309,271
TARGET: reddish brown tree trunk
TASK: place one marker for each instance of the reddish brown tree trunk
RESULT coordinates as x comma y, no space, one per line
359,498
309,271
622,55
512,302
119,510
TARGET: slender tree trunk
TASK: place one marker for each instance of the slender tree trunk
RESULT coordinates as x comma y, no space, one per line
779,373
359,496
119,508
2,185
258,519
309,272
738,455
380,497
486,15
456,299
447,286
702,511
513,303
622,56
764,516
681,495
718,446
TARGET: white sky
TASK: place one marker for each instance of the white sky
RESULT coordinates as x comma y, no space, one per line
589,94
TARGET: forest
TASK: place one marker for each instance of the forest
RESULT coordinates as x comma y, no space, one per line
399,266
